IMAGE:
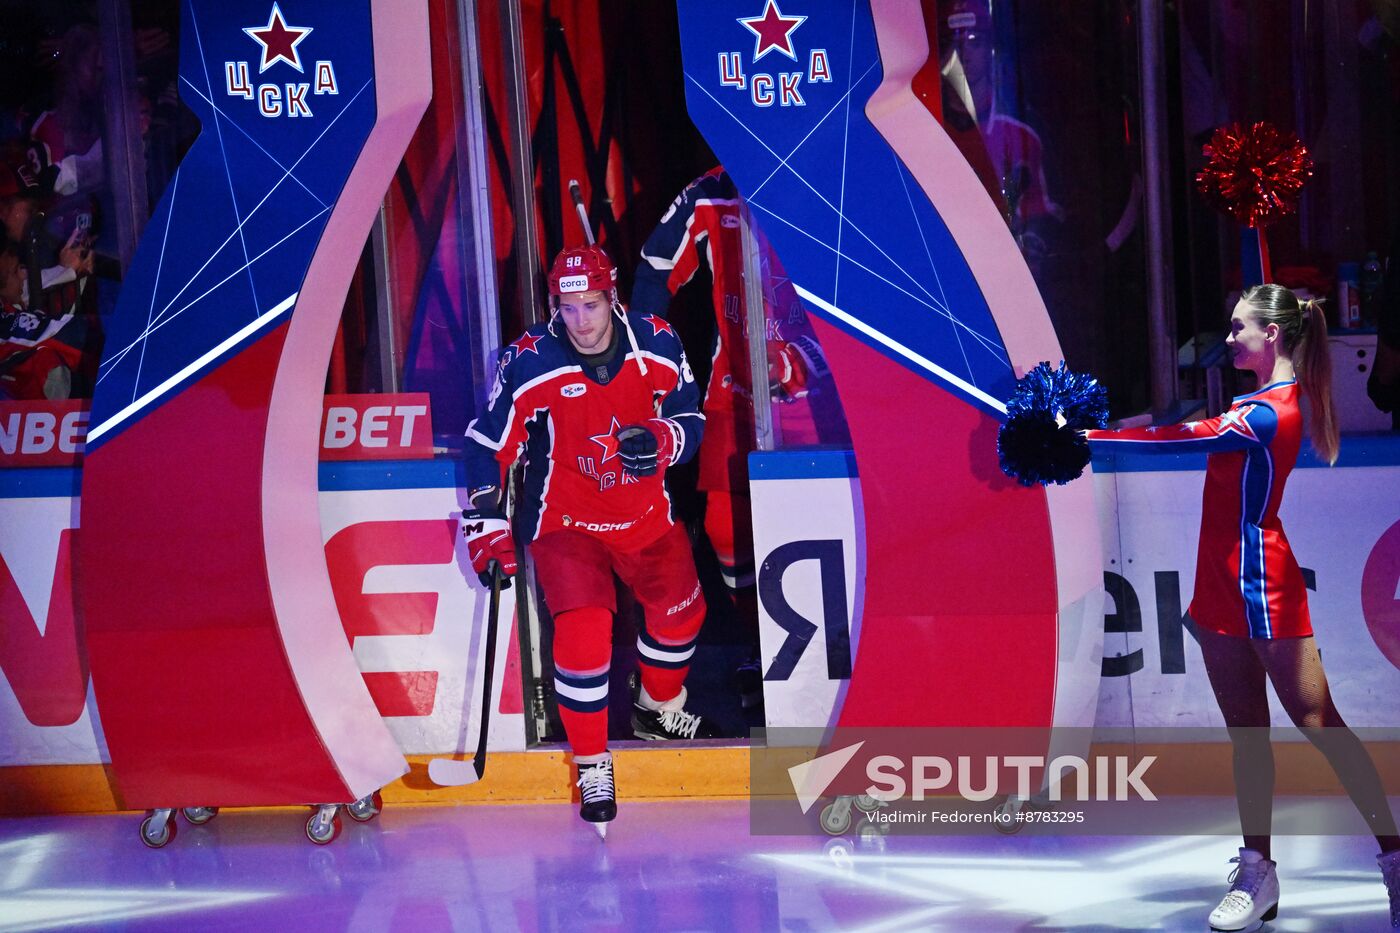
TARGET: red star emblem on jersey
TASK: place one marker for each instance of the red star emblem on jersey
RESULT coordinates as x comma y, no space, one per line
527,341
608,441
772,30
278,40
658,324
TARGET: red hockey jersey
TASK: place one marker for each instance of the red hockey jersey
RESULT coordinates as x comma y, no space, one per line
562,418
701,229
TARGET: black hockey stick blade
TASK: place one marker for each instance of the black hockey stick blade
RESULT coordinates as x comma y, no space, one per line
451,772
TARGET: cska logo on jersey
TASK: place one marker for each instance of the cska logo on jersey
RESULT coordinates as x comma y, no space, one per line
608,440
274,44
597,468
773,32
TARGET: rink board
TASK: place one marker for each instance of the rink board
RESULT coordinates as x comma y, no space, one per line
409,605
414,612
1343,523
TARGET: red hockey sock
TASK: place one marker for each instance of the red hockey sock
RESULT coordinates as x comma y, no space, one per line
729,526
663,654
582,655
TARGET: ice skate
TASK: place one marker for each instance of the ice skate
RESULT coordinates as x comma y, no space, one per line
597,798
1390,873
671,721
1253,895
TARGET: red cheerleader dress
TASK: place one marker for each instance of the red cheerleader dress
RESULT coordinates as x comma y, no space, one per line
1247,581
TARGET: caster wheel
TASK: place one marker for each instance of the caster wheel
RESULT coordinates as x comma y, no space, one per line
836,818
873,837
323,826
867,804
840,852
158,829
198,816
366,808
1006,816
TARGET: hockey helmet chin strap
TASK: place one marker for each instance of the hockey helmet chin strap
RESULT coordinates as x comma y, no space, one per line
619,313
631,337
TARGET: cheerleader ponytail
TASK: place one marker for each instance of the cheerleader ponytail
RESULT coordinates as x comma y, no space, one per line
1304,330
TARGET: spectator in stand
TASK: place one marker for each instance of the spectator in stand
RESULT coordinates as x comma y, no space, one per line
65,266
42,356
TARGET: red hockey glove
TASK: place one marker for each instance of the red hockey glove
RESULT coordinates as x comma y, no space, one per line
648,447
487,533
792,366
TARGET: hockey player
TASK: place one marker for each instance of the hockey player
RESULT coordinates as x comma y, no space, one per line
701,230
1250,606
598,403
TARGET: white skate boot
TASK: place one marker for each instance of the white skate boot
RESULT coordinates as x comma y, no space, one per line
671,721
1253,895
597,798
1390,872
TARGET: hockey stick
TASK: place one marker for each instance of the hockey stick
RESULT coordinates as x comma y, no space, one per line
577,195
451,772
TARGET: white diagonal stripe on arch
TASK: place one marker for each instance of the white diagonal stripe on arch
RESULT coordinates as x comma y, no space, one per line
917,359
162,322
246,331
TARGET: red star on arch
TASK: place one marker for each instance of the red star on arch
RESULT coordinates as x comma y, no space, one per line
658,324
526,342
278,40
772,30
608,441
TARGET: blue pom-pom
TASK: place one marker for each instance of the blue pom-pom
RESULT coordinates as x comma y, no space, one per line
1041,441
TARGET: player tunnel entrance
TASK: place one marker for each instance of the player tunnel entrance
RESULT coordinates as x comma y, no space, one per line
594,92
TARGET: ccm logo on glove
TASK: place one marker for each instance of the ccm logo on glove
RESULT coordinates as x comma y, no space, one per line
488,537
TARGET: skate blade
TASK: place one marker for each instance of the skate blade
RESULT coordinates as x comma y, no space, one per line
602,830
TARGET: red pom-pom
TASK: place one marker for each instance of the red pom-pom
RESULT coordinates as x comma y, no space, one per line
1253,174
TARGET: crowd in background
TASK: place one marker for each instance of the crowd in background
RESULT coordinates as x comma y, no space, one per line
58,267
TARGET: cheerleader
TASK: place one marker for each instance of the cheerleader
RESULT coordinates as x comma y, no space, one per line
1249,606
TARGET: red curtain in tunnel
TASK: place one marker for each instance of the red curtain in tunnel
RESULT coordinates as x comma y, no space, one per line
607,107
